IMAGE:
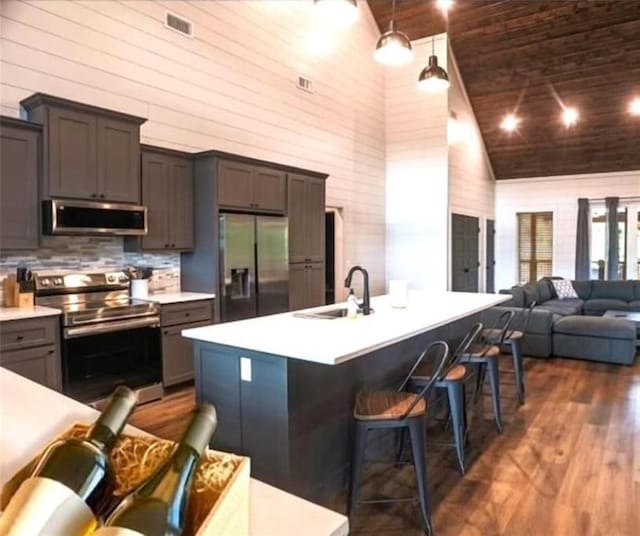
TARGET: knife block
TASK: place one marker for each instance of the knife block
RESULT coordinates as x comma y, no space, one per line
14,295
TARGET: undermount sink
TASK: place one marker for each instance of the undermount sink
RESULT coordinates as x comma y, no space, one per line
331,314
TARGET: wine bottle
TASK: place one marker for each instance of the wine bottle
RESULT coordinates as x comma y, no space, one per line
71,479
157,506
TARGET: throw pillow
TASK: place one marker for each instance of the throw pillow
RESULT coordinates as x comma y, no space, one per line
564,289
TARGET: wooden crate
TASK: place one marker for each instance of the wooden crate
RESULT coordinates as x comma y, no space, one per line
226,515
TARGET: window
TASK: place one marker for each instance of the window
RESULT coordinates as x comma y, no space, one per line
599,240
535,246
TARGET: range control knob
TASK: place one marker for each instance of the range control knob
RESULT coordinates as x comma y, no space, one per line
57,281
123,278
45,282
111,278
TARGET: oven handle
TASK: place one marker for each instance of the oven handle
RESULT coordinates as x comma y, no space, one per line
107,327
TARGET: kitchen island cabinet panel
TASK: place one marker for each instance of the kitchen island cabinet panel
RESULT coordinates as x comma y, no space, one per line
19,171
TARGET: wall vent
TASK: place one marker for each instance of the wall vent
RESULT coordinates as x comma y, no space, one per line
305,84
178,24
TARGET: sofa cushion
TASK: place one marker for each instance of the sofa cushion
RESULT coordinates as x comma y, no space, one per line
634,306
616,290
518,296
566,307
530,294
636,291
583,289
611,328
544,290
598,307
564,289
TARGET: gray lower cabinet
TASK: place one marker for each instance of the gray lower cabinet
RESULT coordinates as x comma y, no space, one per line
31,348
306,285
19,169
177,352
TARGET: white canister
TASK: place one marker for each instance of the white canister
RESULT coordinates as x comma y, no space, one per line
139,288
399,293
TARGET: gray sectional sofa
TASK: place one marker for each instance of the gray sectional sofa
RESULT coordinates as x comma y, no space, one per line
556,329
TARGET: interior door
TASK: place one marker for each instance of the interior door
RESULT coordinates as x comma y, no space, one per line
464,253
491,256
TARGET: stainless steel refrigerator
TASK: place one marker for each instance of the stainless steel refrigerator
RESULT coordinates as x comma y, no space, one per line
254,266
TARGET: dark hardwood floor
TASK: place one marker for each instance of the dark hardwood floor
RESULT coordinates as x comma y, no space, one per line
567,464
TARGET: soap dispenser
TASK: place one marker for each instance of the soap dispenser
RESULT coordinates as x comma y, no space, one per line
352,305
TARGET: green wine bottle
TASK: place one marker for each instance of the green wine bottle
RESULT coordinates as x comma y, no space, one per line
157,506
71,479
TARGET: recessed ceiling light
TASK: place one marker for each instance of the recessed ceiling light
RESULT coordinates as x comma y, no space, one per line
634,106
510,123
444,5
339,12
569,117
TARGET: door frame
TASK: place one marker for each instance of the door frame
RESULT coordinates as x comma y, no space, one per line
339,272
482,245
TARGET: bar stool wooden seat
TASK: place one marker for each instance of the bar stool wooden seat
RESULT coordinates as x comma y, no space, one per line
510,337
399,410
453,383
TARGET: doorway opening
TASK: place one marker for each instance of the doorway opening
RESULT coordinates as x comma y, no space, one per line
334,273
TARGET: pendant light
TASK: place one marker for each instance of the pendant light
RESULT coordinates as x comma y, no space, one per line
393,47
339,12
433,78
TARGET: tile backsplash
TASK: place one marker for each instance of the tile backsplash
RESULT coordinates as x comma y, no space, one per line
92,254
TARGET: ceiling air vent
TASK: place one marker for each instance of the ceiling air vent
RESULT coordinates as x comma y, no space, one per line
305,84
178,24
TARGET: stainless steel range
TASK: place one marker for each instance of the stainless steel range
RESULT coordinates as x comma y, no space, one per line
108,338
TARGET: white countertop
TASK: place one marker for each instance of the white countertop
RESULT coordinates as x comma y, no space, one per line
19,313
178,297
331,342
31,415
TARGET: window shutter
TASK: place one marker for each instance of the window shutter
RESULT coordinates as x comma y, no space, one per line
535,246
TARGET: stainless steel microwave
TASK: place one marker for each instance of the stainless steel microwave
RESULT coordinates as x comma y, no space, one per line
67,217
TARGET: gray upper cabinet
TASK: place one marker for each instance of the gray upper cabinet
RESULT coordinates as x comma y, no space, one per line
167,192
72,158
245,186
88,152
118,160
19,157
306,219
269,189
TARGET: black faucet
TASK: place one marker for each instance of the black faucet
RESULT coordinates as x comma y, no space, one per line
366,300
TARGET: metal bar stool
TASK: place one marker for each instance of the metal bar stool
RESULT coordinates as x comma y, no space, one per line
485,356
511,337
399,410
453,383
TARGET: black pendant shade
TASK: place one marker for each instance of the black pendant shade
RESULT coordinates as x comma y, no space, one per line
433,77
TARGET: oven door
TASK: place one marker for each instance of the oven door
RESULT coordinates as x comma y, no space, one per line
97,358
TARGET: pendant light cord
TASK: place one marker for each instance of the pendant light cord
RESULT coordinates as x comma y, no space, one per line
393,14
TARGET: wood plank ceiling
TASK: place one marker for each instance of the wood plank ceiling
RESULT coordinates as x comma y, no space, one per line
527,57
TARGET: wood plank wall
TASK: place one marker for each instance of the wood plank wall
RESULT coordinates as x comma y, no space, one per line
471,180
551,194
417,181
232,87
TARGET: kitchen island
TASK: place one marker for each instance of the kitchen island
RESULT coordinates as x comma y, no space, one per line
31,415
284,385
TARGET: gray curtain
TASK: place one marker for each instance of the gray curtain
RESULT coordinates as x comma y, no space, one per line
582,241
613,255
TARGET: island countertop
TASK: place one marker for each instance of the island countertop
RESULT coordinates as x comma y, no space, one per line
31,415
331,342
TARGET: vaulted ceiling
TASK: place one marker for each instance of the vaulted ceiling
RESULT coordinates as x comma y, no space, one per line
527,57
